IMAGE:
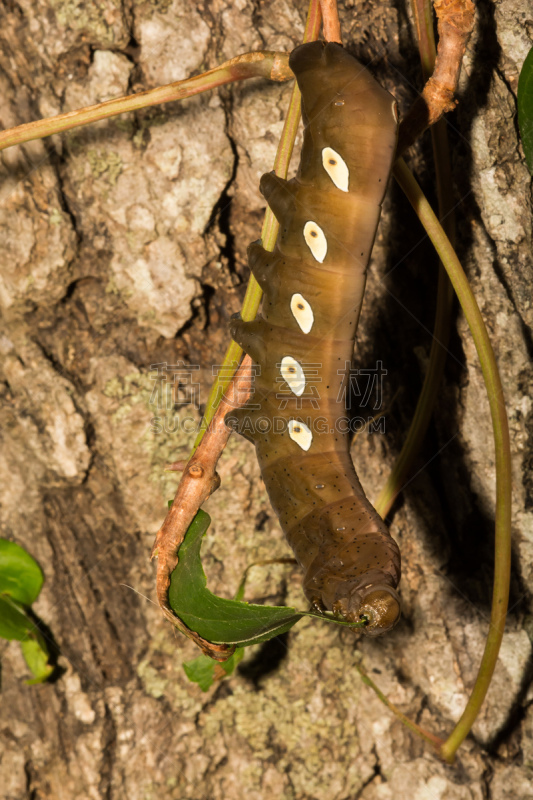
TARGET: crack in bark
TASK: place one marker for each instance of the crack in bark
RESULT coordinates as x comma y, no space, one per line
221,213
377,773
109,748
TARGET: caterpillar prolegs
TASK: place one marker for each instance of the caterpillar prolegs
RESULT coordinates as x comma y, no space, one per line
313,285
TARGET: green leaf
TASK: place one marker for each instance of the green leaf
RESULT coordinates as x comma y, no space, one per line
219,620
20,575
525,108
14,624
205,671
214,618
36,655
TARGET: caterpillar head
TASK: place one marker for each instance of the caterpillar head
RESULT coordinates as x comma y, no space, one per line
355,575
378,605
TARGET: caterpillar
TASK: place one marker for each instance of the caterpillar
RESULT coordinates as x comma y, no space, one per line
302,342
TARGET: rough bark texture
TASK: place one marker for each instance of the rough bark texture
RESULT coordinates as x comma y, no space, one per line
123,247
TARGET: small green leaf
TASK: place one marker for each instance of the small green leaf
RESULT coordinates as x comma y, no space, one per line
219,620
14,624
525,108
36,655
20,575
205,671
214,618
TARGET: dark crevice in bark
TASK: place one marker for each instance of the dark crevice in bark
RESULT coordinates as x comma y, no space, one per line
61,371
258,21
527,476
516,714
58,161
219,225
199,312
216,27
222,690
525,330
486,780
221,214
109,747
292,788
464,251
266,661
501,75
423,707
376,774
29,771
88,426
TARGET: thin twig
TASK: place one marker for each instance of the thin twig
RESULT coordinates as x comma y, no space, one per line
331,26
502,446
266,64
435,741
455,25
198,482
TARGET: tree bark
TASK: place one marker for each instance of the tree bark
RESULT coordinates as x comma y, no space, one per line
124,248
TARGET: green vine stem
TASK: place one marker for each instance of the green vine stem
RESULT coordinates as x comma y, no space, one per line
502,558
441,331
269,234
413,726
267,64
423,14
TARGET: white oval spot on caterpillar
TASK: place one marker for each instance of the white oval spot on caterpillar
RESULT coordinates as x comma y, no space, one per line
292,372
316,241
336,167
302,312
395,110
300,433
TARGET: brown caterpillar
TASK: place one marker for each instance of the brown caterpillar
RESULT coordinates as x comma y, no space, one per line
314,282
